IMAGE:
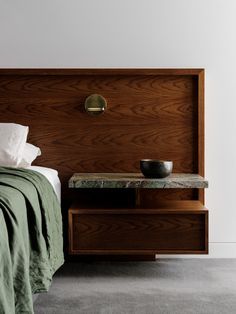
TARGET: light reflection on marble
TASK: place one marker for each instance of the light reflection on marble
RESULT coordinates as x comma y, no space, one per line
136,180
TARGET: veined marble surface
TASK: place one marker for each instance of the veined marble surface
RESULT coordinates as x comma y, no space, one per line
136,180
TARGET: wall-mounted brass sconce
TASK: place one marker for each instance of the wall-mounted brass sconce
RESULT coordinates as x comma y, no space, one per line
95,104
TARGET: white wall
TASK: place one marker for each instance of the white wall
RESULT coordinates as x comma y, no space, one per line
144,33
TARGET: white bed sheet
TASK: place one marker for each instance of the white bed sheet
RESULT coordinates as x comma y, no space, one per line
52,176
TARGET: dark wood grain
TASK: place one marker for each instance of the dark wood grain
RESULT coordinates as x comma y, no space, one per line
152,113
101,71
201,131
174,227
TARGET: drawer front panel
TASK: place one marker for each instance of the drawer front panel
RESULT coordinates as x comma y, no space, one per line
161,232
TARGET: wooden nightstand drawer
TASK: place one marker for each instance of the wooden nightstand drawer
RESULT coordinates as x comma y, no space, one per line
138,231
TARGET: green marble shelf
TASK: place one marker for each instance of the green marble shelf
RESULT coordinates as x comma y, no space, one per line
136,180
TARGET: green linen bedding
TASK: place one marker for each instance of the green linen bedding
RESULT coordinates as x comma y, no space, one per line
31,243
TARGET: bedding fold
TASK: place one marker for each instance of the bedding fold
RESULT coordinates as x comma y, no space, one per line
31,241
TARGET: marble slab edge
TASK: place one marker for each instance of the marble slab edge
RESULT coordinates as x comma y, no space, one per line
188,181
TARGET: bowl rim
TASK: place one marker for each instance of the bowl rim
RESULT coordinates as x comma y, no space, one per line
156,160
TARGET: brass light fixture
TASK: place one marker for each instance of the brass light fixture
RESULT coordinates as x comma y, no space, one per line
95,104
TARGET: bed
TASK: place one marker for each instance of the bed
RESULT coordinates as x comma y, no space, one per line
31,244
52,176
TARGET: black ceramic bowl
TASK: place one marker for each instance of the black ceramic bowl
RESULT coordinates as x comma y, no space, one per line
152,168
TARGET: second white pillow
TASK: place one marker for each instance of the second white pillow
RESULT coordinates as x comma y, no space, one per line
30,153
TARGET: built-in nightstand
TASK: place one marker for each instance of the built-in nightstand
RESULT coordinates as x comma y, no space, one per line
170,227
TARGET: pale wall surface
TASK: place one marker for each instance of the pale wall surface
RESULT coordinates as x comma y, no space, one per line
144,33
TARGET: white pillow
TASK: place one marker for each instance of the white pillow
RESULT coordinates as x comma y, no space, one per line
30,153
12,142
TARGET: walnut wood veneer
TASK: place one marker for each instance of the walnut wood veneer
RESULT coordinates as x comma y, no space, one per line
175,227
151,113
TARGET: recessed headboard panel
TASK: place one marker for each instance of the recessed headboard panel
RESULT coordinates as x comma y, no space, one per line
151,113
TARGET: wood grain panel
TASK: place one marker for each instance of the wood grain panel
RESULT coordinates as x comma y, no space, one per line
152,113
123,115
201,131
152,231
167,86
142,105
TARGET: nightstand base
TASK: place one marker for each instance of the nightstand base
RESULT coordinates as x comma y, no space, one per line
112,258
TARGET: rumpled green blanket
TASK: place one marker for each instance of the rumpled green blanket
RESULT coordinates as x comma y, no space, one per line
31,242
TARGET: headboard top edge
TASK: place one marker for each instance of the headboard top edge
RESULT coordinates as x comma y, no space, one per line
101,71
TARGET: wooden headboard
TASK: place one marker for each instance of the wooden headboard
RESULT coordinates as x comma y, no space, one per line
152,113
